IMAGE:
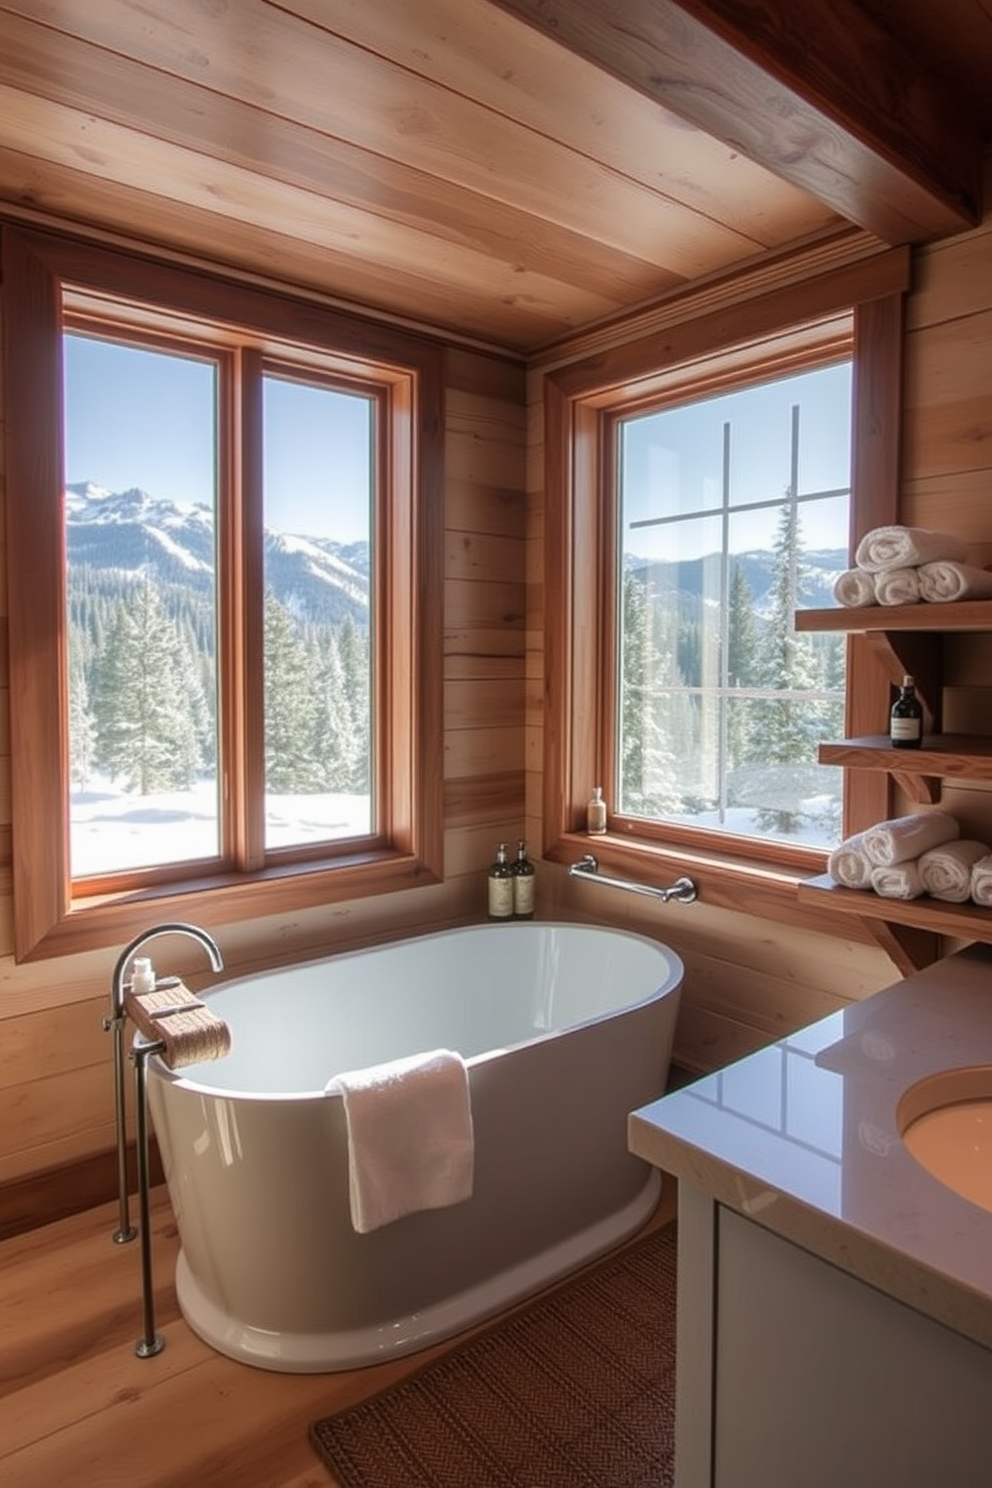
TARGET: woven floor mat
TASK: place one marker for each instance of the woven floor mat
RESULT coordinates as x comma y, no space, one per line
576,1391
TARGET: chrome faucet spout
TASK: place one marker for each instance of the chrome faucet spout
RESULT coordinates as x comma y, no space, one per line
115,1024
177,927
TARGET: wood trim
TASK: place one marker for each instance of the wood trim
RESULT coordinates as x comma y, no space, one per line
875,458
411,847
71,1188
819,94
738,323
578,626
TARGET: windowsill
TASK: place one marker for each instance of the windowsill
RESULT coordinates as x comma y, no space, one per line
108,919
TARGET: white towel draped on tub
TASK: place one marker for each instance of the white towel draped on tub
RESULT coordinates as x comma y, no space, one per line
946,870
906,837
906,547
943,582
410,1140
849,865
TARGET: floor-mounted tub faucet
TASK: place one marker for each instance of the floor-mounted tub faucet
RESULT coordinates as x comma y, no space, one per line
115,1025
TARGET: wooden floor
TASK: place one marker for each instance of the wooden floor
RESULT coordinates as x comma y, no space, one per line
78,1408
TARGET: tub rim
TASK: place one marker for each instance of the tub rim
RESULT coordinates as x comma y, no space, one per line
670,984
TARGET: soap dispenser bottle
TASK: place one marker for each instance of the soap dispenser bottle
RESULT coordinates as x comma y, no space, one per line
142,975
501,886
523,885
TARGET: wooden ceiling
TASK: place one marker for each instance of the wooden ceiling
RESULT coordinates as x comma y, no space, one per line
508,170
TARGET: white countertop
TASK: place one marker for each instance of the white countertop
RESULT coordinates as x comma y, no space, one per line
803,1137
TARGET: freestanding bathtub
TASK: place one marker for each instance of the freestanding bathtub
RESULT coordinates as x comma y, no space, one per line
565,1029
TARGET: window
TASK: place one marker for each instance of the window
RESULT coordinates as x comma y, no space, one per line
732,513
703,483
224,525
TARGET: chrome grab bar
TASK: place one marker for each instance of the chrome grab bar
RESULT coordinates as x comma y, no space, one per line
683,890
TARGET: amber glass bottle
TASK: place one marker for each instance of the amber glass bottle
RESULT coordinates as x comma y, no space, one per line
906,718
523,885
501,886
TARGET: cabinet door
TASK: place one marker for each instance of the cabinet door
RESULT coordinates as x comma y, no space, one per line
822,1381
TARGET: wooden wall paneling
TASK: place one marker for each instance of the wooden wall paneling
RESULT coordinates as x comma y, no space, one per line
965,493
48,1043
471,752
952,278
477,505
47,1121
496,798
706,1041
948,410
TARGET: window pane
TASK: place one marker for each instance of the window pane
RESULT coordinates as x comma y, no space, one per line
140,497
721,704
318,475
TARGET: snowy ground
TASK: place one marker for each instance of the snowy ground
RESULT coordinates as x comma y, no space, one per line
113,830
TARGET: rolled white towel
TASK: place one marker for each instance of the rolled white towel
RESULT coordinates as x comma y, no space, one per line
855,588
981,881
848,864
906,837
896,586
945,581
946,871
900,881
906,547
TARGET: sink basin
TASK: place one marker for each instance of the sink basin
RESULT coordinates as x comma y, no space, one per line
946,1123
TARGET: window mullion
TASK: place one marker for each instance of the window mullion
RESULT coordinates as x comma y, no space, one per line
244,689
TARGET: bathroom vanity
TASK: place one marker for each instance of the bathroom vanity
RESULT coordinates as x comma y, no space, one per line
835,1297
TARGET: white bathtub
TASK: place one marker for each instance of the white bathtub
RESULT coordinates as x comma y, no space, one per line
565,1030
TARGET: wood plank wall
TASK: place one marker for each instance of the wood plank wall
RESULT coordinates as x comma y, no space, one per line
56,1122
749,980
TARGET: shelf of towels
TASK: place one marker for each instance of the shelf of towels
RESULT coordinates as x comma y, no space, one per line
895,566
909,856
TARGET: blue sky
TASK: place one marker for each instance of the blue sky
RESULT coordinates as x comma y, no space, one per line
673,463
143,418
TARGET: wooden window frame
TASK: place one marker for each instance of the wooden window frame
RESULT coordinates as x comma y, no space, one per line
407,372
770,330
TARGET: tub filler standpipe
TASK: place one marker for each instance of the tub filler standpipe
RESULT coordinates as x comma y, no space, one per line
682,891
177,1001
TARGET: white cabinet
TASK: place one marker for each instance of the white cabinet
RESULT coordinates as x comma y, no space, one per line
798,1375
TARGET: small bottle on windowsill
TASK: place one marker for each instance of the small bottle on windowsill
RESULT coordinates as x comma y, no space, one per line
596,813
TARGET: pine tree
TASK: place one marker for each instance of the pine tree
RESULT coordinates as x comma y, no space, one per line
144,732
334,729
291,766
648,713
742,663
82,730
787,728
353,649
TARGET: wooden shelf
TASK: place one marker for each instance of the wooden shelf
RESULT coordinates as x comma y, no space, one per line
964,921
907,638
967,756
968,614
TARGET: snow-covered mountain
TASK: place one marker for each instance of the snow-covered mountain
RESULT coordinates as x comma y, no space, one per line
114,534
697,578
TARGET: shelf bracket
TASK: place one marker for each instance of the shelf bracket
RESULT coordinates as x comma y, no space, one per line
908,947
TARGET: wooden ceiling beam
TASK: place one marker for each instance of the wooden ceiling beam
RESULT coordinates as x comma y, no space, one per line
818,93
